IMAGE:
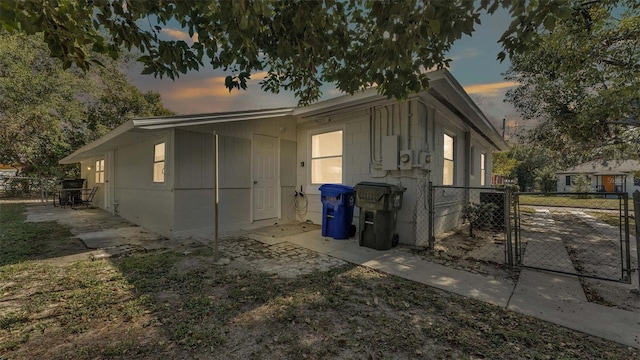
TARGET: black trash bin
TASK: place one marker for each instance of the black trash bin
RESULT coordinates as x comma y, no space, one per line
378,203
337,210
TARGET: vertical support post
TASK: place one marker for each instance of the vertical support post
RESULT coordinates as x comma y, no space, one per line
516,225
216,256
432,217
42,196
627,247
636,211
507,227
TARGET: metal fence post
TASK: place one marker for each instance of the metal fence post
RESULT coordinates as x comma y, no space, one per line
516,225
507,227
627,247
431,217
636,212
42,195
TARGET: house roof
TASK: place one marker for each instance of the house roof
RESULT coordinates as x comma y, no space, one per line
136,130
443,86
604,167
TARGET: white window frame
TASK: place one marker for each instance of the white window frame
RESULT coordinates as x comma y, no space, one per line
163,162
483,169
311,186
99,171
452,160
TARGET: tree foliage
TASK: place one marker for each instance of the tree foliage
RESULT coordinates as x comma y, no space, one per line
581,184
547,179
47,112
504,164
581,80
530,165
299,44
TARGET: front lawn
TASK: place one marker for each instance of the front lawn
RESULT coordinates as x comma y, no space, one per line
174,305
592,202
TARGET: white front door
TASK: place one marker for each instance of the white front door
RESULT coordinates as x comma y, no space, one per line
265,177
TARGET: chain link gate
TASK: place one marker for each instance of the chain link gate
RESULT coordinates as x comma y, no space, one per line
585,234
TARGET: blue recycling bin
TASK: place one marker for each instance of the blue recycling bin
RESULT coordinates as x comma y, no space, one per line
337,210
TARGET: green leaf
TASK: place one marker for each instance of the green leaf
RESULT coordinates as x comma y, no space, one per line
550,23
435,26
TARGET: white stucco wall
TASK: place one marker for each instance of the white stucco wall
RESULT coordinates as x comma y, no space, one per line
194,185
421,128
137,198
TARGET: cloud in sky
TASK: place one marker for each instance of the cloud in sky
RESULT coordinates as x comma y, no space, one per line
202,88
465,53
490,88
490,99
179,34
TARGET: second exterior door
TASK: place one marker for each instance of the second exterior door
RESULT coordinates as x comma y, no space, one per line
609,182
265,177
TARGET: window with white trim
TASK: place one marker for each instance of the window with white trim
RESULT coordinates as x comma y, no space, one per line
326,158
99,170
483,161
449,165
158,162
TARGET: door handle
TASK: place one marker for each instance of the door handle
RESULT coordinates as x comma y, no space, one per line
255,182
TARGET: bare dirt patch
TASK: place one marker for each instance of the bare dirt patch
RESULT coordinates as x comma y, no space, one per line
591,252
484,253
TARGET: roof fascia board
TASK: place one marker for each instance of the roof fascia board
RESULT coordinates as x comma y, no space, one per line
166,122
479,122
338,103
210,121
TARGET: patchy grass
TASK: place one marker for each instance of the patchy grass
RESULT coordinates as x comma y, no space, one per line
572,201
170,305
22,242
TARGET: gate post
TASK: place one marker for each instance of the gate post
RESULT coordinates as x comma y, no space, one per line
507,227
636,212
627,243
432,239
42,194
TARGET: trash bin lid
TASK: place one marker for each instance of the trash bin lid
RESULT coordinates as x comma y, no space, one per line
335,189
380,187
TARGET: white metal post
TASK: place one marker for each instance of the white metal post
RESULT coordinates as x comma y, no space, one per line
636,212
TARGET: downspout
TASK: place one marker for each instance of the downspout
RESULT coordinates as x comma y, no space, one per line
372,142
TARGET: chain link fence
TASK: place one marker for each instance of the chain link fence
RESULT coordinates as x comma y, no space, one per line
19,188
467,227
584,234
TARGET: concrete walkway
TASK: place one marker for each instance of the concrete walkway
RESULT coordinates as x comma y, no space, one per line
551,297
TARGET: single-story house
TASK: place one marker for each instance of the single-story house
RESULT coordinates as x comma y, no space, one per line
158,172
603,176
9,170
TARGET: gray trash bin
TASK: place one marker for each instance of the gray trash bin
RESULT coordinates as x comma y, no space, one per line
378,203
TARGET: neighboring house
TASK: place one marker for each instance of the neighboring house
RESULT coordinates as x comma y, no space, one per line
604,176
158,172
9,170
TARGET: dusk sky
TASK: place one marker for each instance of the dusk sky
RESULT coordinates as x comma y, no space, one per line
473,64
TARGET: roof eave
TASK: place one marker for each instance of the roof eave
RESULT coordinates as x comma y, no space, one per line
74,156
